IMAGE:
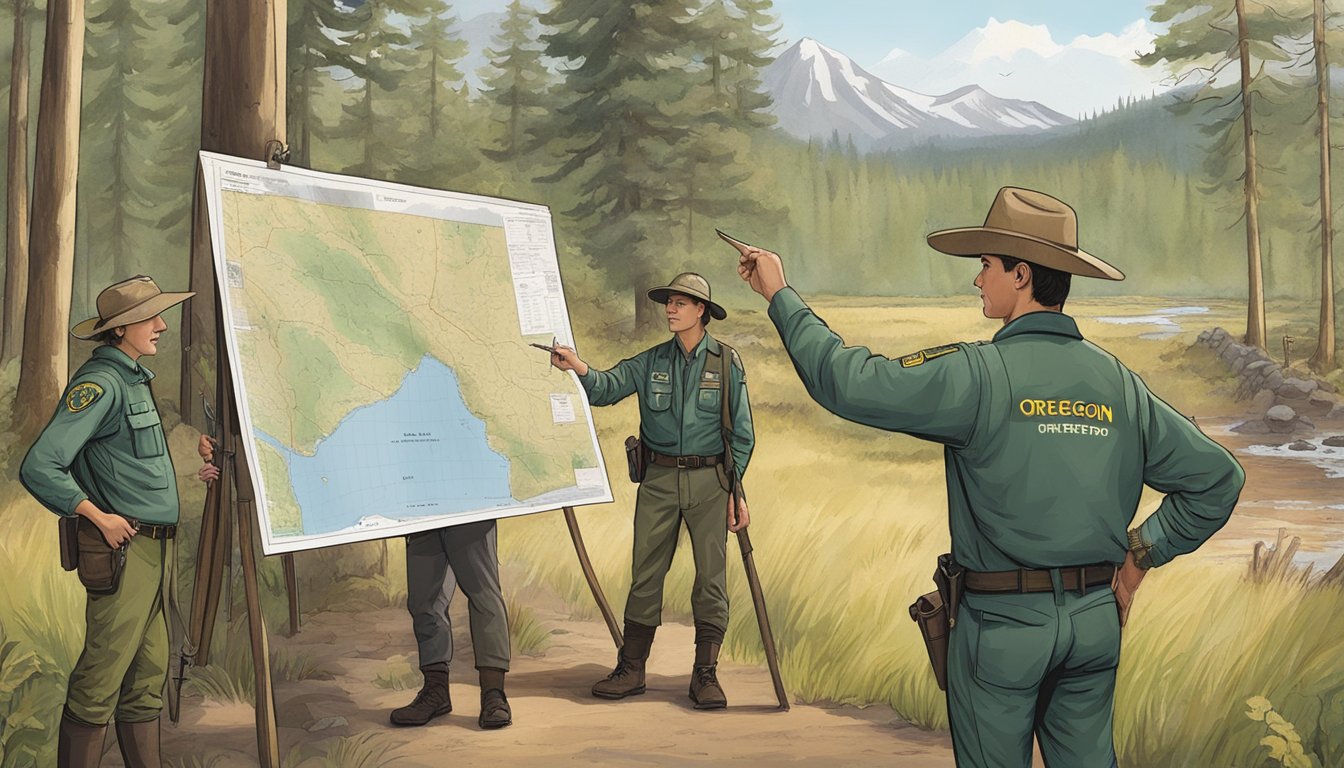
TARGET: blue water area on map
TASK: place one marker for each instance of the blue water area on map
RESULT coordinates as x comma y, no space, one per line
419,453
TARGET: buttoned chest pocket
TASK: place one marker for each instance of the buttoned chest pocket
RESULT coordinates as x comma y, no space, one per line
660,395
708,398
146,431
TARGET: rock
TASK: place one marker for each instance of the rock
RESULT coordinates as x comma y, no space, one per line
1273,379
1263,400
1238,364
1280,413
1251,428
1204,336
1223,344
1334,441
1255,365
1218,334
1321,403
1295,388
1336,412
1301,445
1281,419
327,723
1326,386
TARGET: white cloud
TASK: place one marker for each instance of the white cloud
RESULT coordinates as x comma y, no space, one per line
1022,61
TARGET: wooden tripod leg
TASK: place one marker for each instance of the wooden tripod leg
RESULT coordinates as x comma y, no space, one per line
591,576
268,743
292,589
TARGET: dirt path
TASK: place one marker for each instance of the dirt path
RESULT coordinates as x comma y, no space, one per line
556,721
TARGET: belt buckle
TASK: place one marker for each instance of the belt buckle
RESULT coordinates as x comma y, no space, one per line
688,462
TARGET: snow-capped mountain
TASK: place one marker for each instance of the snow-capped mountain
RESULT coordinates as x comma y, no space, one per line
819,91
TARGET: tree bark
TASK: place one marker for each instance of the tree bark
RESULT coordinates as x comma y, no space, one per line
1324,358
44,367
1255,303
16,184
242,108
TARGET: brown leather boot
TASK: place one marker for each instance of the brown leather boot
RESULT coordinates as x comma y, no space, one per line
432,700
79,745
139,744
627,679
705,689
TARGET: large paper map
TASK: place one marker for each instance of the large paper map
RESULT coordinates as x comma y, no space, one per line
379,339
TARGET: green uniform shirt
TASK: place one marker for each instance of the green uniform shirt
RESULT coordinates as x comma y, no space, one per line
679,405
1048,439
105,443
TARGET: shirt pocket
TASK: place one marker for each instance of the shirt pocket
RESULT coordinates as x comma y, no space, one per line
146,431
708,398
660,395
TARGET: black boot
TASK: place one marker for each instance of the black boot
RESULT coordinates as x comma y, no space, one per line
705,689
139,743
495,711
627,679
79,745
429,703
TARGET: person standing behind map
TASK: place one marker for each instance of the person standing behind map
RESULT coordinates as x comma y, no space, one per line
103,458
679,383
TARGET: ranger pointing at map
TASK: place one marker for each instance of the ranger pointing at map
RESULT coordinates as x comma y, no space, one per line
680,383
1049,441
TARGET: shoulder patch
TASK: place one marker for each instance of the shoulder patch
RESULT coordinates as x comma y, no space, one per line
82,395
925,355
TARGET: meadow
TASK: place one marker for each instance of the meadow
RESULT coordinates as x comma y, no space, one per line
847,522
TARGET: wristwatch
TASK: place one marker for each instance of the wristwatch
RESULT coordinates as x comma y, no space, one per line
1142,552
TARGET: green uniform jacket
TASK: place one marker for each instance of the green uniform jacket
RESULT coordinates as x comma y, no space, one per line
105,443
1048,439
679,405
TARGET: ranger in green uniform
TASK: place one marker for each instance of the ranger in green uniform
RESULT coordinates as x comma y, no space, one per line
104,458
679,383
1049,441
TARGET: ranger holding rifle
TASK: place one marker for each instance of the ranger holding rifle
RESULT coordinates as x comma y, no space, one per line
1049,442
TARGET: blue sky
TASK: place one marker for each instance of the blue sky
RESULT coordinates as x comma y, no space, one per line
868,29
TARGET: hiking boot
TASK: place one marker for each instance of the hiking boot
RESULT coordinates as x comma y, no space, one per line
139,743
429,703
79,745
495,711
705,689
627,679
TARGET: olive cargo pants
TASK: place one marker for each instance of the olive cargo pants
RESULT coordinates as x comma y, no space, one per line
124,664
667,497
1041,663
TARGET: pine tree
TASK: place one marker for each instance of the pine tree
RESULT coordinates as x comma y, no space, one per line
315,50
516,82
625,64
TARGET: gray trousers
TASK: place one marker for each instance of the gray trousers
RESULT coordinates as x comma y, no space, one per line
436,563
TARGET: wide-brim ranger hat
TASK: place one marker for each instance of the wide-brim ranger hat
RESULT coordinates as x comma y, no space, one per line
1031,226
690,284
130,301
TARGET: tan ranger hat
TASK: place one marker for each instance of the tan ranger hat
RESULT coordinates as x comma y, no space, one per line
692,285
129,301
1031,226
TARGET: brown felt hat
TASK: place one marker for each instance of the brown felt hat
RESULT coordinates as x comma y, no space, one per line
127,302
690,284
1031,226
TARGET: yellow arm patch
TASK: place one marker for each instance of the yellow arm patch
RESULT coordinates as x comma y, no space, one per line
925,355
82,395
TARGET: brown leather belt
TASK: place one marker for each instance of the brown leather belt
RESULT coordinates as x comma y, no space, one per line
685,462
154,531
1075,578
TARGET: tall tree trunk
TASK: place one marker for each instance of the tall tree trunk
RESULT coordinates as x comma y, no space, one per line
1324,359
47,316
16,232
242,108
1255,302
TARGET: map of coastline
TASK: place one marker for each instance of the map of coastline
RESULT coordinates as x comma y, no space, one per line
387,374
